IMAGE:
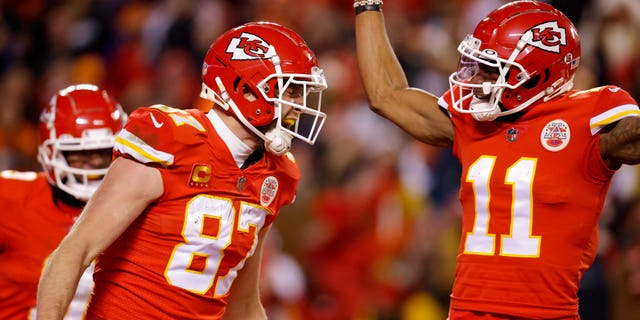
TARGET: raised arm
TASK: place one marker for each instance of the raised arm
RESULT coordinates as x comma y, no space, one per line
414,110
126,191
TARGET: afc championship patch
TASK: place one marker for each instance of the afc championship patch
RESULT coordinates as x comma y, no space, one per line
555,135
268,190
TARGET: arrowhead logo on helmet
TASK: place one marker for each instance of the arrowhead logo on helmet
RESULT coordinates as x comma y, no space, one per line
547,36
249,47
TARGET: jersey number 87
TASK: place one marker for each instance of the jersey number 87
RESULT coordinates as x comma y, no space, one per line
210,248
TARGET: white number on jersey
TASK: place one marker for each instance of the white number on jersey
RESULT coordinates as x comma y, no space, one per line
519,242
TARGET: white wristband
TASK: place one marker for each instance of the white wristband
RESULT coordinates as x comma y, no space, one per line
361,3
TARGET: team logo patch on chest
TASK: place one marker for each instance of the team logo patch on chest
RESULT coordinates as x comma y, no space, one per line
555,135
268,190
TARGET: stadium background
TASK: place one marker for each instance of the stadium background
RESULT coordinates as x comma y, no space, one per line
374,230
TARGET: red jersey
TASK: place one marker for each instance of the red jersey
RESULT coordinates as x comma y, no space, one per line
532,191
32,226
178,259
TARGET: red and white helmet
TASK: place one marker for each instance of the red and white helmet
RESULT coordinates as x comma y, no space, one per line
535,49
265,58
78,118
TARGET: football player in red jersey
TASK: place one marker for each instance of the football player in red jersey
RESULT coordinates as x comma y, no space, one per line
179,222
537,156
77,133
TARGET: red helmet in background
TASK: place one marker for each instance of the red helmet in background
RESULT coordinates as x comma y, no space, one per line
535,49
264,59
78,118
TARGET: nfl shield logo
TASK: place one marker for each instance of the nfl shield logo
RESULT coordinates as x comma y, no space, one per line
512,135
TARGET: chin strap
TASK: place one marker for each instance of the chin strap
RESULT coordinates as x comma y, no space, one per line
278,141
483,110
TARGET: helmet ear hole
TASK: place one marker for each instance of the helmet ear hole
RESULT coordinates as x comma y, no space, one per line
248,94
236,84
532,83
547,74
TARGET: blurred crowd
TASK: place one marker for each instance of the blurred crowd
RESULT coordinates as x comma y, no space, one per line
374,231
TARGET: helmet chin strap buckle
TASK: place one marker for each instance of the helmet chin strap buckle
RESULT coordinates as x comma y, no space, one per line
486,88
277,142
483,111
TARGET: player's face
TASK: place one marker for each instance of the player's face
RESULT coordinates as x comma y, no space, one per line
294,94
89,159
475,72
485,74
